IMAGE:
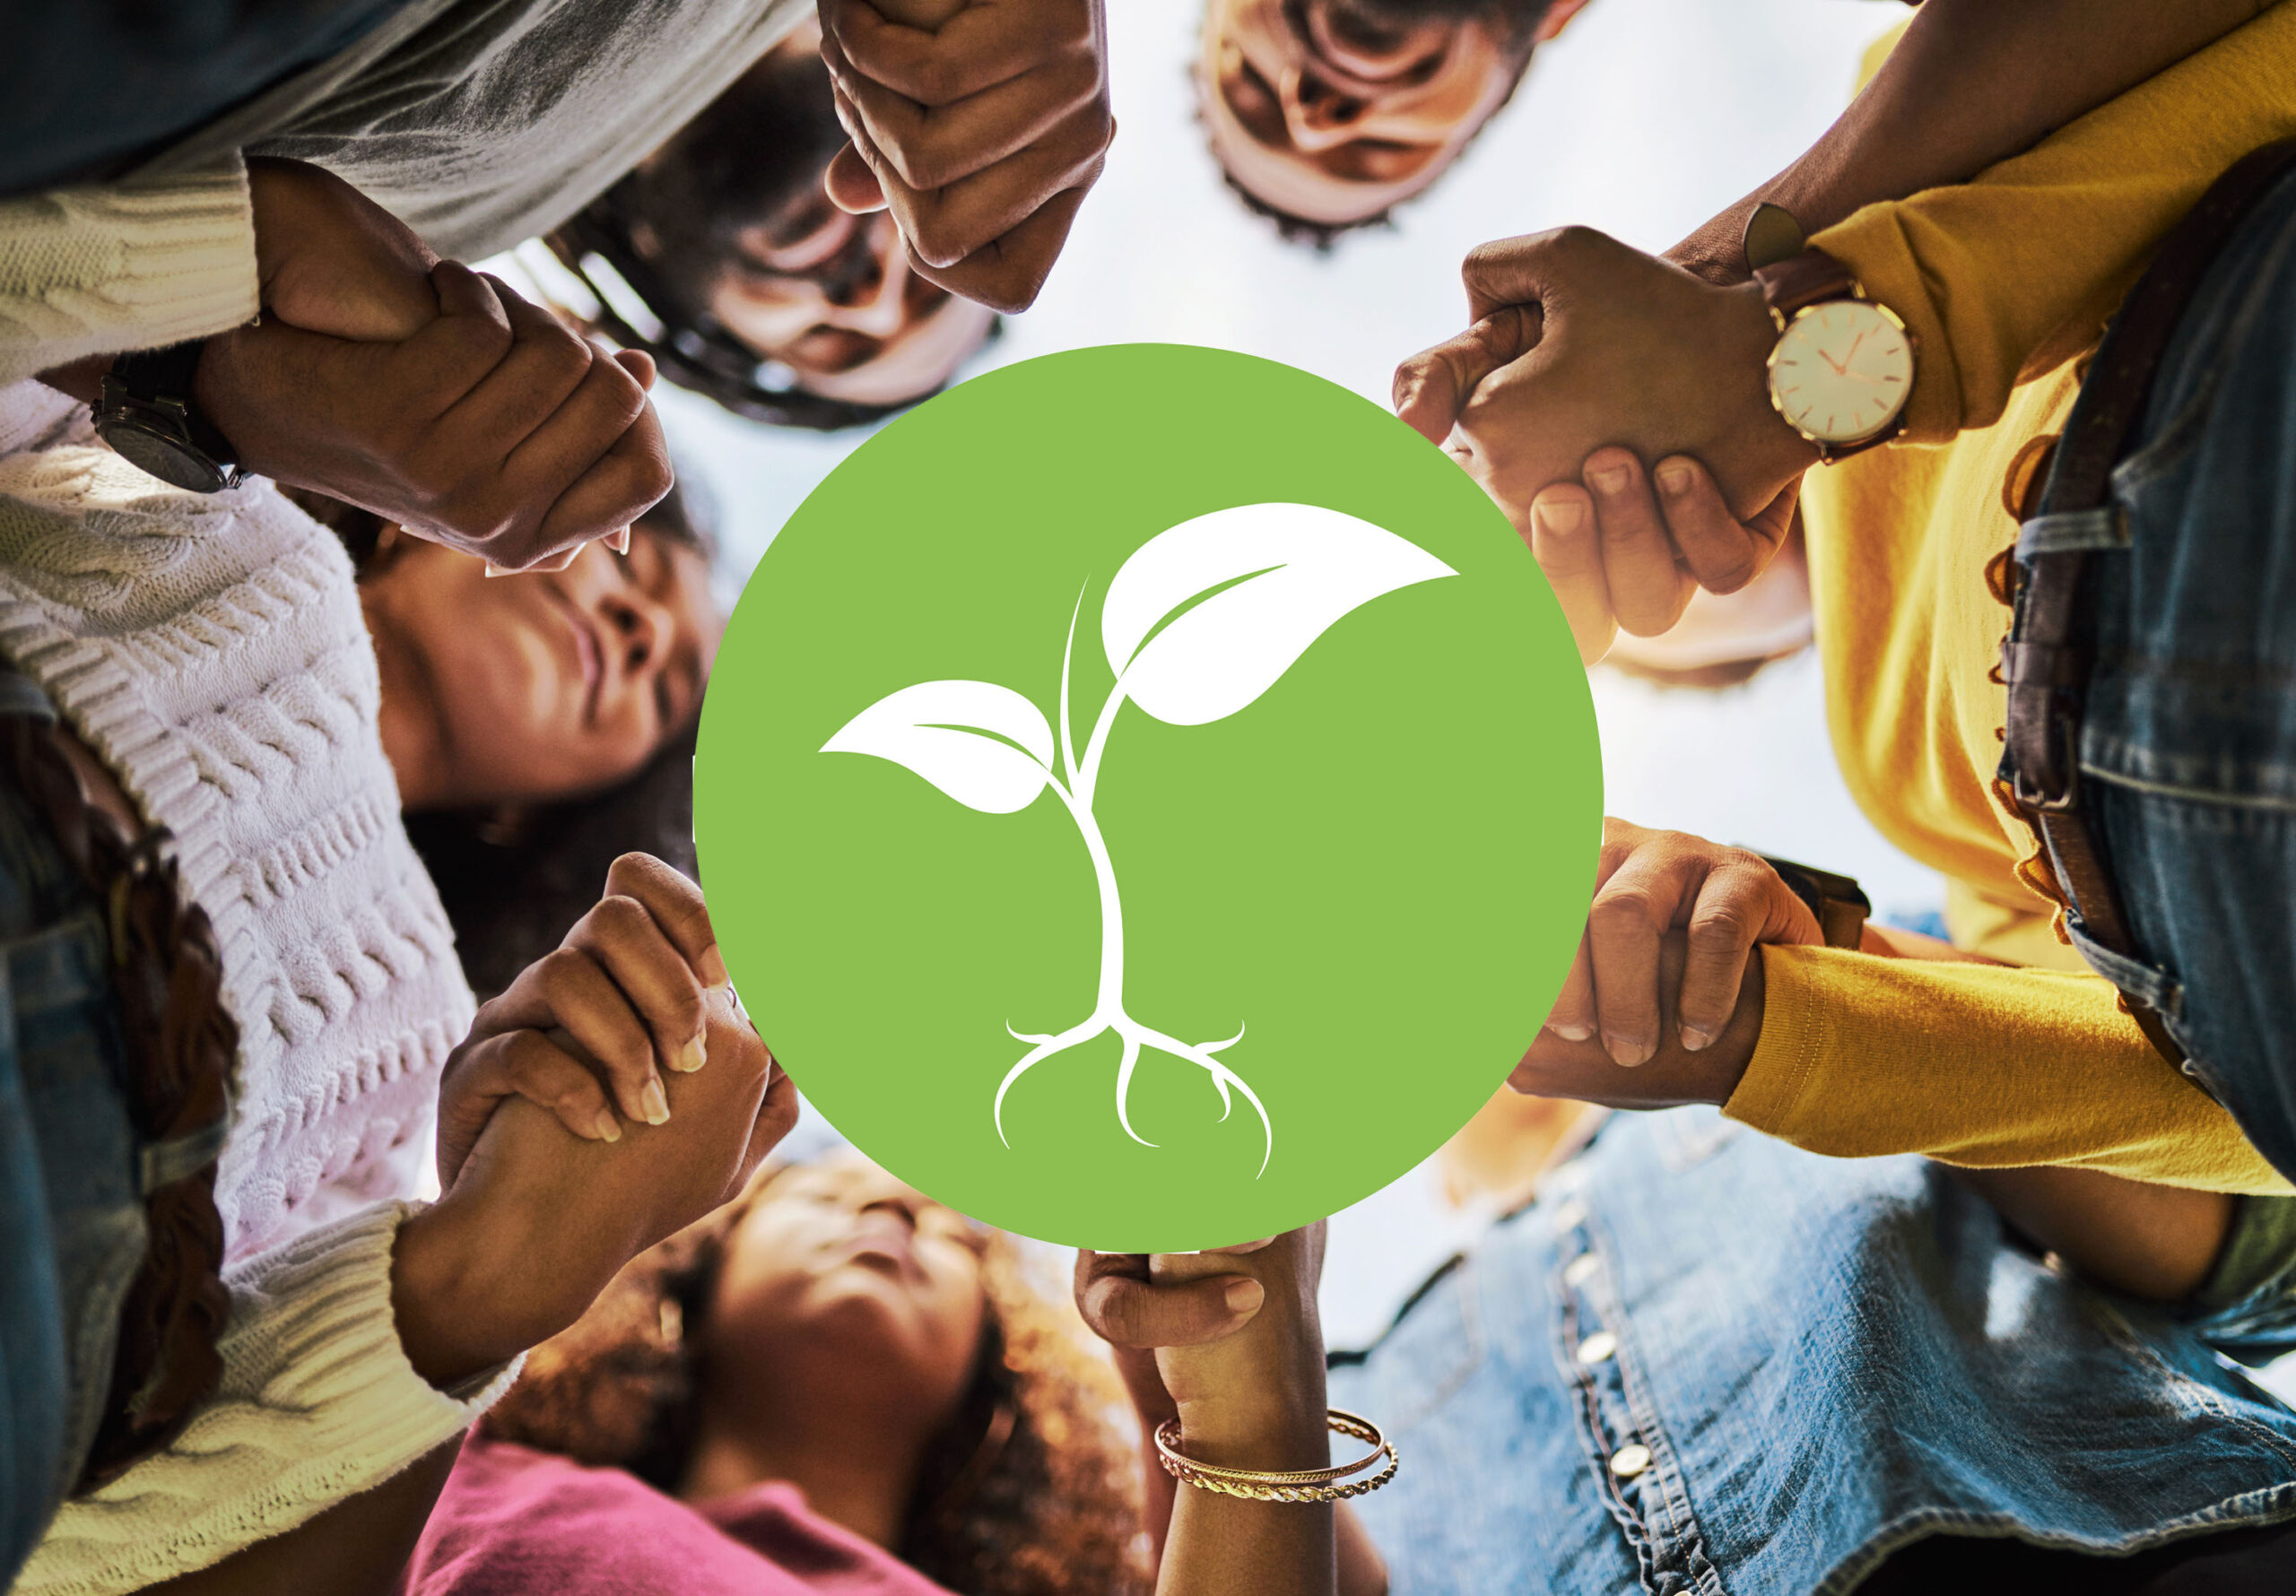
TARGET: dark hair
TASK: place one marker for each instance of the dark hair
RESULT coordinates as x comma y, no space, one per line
1026,1491
1518,25
512,896
754,155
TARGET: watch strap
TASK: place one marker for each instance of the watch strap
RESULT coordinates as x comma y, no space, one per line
1801,280
167,375
1839,902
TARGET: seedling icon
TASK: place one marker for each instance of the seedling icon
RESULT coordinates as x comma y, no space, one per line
1197,624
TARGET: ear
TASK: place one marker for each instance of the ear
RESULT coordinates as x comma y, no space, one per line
1558,17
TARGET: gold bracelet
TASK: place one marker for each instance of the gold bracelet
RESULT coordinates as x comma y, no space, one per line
1297,1485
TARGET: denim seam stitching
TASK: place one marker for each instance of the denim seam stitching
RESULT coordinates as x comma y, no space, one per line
2117,1326
2269,803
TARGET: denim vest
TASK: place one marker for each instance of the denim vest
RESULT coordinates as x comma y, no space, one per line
1705,1361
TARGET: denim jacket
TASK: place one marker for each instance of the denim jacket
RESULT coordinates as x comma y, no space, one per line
1708,1362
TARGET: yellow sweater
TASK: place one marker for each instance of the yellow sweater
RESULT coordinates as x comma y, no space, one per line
2004,282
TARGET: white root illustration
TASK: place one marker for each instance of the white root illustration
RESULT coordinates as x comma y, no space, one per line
1197,624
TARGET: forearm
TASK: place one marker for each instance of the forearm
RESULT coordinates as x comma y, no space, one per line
1977,1066
356,1547
2151,1240
1972,82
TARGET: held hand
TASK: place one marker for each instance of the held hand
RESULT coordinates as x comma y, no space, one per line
1627,549
1579,344
981,124
493,429
330,260
537,1222
1229,1343
599,1022
1648,884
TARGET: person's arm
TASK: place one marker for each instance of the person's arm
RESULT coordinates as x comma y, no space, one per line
353,1353
2007,276
1230,1345
1586,359
1859,1053
131,265
1969,83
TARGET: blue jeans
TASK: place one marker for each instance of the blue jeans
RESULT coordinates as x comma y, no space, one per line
71,1214
1706,1362
87,86
2188,751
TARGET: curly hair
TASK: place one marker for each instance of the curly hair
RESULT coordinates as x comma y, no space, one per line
1028,1490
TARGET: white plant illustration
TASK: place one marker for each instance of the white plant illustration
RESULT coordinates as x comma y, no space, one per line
1198,623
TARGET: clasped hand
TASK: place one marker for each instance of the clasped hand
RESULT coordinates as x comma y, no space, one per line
1663,1005
981,124
632,1010
1614,405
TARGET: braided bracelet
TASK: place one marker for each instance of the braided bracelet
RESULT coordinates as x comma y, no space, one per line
1297,1485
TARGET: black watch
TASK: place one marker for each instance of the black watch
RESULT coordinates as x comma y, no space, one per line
1838,901
147,416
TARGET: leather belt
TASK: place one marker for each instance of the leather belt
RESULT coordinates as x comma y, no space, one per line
179,1045
2050,651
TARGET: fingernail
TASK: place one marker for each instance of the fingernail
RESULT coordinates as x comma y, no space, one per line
1610,479
1673,477
609,1125
691,1057
494,569
657,1106
711,966
1573,1033
1243,1296
1625,1051
1695,1040
620,542
1561,515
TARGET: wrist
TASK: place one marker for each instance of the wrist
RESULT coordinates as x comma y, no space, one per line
1772,452
454,1320
1279,1425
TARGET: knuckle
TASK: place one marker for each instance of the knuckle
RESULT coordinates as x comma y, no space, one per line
1624,910
560,969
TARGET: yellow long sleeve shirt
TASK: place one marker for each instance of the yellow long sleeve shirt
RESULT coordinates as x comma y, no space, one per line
2004,282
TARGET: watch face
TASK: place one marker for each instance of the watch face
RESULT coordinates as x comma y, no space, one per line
175,462
1841,371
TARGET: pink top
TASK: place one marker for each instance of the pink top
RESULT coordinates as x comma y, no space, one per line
514,1522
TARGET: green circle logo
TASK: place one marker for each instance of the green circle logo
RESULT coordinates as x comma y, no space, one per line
1148,798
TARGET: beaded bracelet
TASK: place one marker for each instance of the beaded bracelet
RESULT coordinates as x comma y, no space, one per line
1297,1485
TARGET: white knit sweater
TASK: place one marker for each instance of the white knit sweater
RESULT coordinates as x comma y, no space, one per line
210,649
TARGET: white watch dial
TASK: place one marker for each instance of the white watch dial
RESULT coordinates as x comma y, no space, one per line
1841,371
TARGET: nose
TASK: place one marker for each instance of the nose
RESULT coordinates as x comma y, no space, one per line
642,627
1316,116
877,303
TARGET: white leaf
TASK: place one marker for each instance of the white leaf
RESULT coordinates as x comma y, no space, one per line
959,736
1296,568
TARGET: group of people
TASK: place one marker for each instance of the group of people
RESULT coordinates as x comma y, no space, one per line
353,633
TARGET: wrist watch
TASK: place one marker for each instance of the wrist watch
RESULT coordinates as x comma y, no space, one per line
146,414
1838,901
1842,368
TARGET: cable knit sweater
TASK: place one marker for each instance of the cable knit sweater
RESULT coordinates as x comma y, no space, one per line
211,650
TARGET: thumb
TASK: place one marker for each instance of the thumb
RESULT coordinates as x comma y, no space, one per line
1434,385
851,185
1127,1311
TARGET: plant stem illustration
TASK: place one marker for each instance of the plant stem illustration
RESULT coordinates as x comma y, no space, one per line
1197,624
